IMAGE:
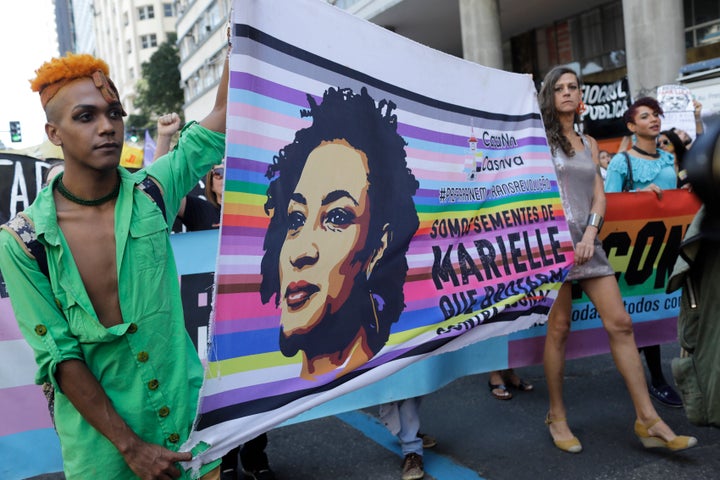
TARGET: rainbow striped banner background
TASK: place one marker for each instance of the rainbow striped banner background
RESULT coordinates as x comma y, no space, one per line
476,144
632,217
641,236
492,246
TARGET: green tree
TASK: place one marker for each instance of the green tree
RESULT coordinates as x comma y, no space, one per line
158,91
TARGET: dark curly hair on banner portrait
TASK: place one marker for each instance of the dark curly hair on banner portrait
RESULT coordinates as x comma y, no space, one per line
342,217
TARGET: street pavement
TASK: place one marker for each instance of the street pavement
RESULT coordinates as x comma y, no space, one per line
480,437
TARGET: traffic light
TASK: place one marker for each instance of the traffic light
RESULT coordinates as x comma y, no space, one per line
132,134
15,133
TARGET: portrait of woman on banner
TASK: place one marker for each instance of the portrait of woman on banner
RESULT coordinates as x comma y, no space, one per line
342,216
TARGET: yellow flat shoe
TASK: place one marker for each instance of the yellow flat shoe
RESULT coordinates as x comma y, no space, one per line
680,442
571,446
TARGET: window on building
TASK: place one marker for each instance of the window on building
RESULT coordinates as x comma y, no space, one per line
126,19
128,46
593,41
193,83
598,38
181,6
702,22
146,12
214,15
189,40
168,10
148,41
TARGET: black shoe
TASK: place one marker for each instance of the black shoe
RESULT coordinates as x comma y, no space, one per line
259,474
666,395
228,474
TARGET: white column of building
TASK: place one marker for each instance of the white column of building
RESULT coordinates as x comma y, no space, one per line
654,43
480,29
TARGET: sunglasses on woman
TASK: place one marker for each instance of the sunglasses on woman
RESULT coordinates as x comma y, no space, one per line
218,172
663,143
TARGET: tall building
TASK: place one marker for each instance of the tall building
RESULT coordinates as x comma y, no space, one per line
84,26
127,33
75,26
650,43
202,40
65,26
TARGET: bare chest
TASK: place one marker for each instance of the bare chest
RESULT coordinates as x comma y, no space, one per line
90,235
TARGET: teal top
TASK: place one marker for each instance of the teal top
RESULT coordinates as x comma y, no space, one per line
661,172
147,365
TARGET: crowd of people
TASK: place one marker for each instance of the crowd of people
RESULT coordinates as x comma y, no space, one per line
124,397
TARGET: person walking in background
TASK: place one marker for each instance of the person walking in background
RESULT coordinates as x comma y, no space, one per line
604,158
127,380
670,142
650,169
402,418
581,190
195,213
687,140
645,167
697,271
499,380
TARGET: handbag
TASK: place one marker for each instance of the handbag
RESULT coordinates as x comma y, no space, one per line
628,183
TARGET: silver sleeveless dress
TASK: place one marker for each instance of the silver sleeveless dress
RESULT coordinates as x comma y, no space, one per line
576,180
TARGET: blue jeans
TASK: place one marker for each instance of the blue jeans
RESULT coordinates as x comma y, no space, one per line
409,410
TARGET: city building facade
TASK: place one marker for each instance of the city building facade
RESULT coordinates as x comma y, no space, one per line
647,41
74,22
127,33
202,43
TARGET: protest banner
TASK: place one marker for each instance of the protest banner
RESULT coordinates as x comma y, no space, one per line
470,215
384,202
641,236
678,109
634,227
131,157
20,180
606,103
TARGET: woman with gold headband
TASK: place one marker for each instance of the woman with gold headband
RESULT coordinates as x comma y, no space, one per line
105,321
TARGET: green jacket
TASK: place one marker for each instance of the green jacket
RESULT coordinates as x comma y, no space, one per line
147,365
697,372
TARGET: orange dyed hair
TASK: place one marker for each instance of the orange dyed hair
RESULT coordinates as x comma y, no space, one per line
58,72
66,68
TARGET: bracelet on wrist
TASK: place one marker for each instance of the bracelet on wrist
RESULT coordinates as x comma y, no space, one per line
595,220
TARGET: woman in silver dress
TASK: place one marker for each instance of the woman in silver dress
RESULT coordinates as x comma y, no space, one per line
581,189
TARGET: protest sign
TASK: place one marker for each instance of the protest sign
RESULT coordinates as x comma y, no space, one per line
384,202
678,109
634,238
606,103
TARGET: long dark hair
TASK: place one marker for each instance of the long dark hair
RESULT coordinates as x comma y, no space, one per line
372,129
677,144
546,99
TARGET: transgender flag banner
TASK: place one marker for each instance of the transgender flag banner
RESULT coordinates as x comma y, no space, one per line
384,202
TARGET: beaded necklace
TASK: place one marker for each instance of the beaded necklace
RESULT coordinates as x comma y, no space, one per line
81,201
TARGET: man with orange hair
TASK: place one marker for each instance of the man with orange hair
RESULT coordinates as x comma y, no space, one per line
105,318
